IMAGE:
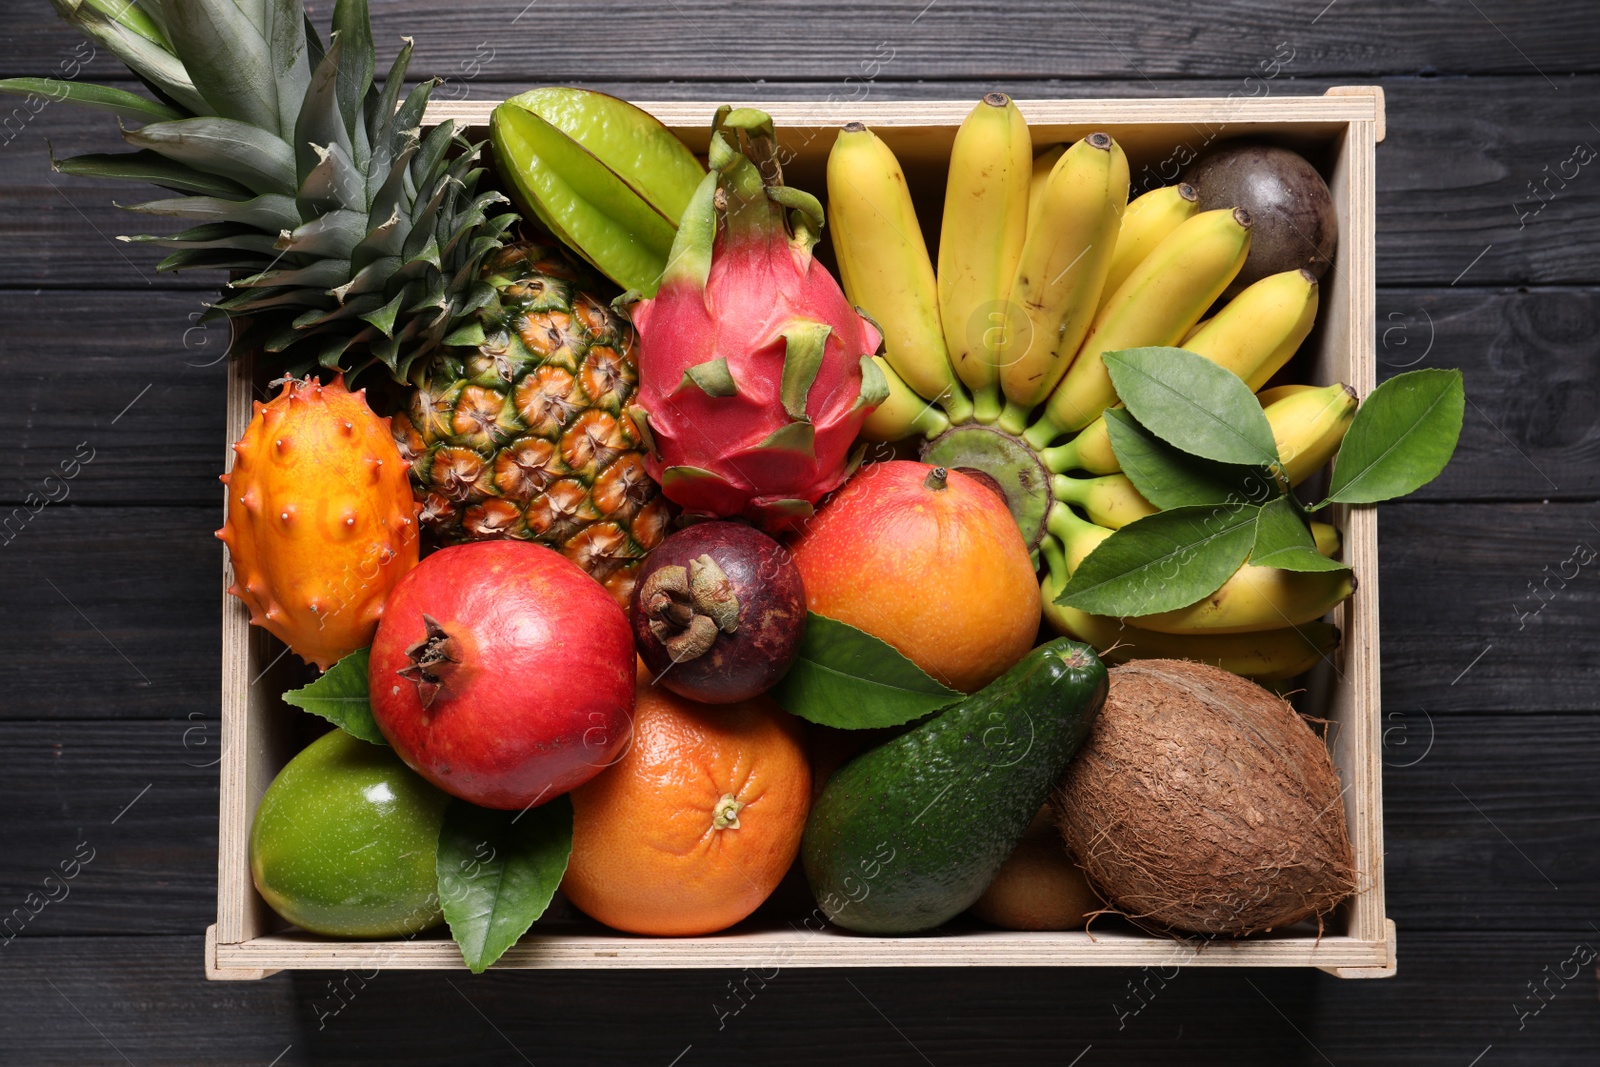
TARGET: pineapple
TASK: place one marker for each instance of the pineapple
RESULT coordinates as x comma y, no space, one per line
527,435
356,243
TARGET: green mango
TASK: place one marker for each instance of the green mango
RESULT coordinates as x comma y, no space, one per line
346,841
602,175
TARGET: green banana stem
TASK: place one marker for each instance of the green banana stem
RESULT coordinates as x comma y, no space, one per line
1041,433
986,403
1056,562
1060,458
1013,418
1064,523
1068,489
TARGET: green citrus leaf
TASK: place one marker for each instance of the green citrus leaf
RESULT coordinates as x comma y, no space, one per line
340,696
1163,561
1171,478
498,871
847,678
1284,541
1402,437
1191,403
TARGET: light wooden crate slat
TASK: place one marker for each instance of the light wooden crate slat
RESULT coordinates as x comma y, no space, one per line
1359,941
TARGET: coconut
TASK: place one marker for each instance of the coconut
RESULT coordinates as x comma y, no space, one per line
1203,803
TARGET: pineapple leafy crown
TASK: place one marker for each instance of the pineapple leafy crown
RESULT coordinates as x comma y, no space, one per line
352,238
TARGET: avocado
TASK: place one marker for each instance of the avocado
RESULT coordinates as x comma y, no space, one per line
909,834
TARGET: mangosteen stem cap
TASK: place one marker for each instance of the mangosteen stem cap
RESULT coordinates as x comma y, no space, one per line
689,606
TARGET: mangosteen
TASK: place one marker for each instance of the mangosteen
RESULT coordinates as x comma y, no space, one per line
718,612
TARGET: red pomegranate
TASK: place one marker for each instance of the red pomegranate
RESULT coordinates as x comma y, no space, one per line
503,674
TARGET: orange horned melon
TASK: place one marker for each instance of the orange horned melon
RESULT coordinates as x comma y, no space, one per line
321,521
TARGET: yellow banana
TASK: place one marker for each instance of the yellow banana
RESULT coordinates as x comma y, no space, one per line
1147,222
1258,598
1253,600
1061,273
1262,655
1042,166
1109,501
903,414
980,241
1267,654
1308,426
1326,535
1261,328
1268,397
1164,296
885,267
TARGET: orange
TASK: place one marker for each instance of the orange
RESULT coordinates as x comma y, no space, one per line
698,821
934,566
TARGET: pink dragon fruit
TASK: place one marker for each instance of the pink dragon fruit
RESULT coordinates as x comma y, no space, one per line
754,370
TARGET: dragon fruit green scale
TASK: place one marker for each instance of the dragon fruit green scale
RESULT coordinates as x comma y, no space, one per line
754,370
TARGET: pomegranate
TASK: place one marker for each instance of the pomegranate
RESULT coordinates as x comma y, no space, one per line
718,612
503,674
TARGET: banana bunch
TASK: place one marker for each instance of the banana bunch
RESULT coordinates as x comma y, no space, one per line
1263,623
1044,265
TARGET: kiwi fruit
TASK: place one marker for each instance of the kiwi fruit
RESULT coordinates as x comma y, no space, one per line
1040,887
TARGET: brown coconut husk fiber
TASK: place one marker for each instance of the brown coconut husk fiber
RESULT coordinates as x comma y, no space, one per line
1203,803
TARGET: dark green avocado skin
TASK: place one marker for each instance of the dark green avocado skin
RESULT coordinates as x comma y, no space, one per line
907,835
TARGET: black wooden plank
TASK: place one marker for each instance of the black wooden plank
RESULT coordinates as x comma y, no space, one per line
1466,843
1474,838
1456,997
112,613
1489,607
112,827
125,391
1532,429
1454,194
556,40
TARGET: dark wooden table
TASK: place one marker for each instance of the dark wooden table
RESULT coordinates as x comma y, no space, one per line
1487,235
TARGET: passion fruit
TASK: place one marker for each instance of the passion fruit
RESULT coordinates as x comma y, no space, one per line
1295,225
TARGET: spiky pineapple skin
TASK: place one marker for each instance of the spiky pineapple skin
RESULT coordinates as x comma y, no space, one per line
321,523
526,433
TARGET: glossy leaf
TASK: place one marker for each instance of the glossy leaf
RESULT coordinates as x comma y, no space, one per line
498,871
1191,403
847,678
1402,437
340,696
1284,541
1171,478
1164,561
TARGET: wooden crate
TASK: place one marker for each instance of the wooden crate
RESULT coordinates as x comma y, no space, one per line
1339,130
